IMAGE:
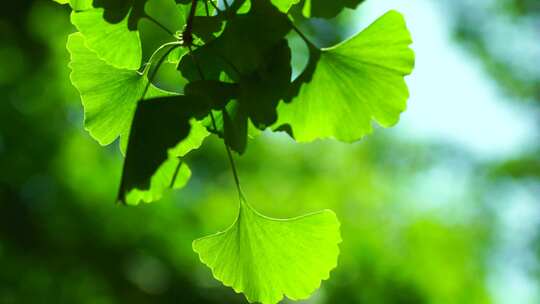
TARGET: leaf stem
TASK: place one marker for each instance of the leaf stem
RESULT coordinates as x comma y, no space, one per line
231,162
214,125
215,6
206,8
187,34
152,73
303,36
176,170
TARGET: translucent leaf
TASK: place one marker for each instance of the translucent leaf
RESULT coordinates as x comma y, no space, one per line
267,258
113,42
242,47
252,53
163,130
346,87
109,94
162,19
111,28
174,172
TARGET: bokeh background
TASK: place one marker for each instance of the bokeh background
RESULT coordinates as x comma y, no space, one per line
444,208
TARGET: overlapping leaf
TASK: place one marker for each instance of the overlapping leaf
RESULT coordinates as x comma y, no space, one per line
112,42
240,73
163,131
253,54
109,95
162,19
267,258
116,29
346,87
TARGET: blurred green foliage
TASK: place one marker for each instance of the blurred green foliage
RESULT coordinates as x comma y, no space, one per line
504,35
62,240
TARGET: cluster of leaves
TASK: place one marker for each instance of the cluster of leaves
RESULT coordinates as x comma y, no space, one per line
162,75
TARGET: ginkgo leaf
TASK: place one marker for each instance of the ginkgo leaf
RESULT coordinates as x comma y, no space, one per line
253,54
346,87
162,19
196,136
172,173
160,130
109,94
267,258
114,43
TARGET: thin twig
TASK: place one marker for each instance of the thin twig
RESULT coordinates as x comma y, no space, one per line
214,125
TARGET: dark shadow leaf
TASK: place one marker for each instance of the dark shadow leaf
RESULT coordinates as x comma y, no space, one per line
159,125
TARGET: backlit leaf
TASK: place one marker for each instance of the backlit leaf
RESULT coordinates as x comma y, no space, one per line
163,132
112,42
267,258
109,94
346,87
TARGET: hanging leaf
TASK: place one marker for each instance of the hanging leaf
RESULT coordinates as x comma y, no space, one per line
161,21
173,173
113,43
252,53
346,87
163,131
109,94
239,69
266,258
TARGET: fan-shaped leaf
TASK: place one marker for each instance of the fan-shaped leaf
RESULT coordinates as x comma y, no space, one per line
161,135
109,94
347,86
112,42
267,258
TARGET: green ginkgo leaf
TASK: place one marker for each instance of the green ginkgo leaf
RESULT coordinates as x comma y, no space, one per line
267,258
114,43
174,172
346,87
109,94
